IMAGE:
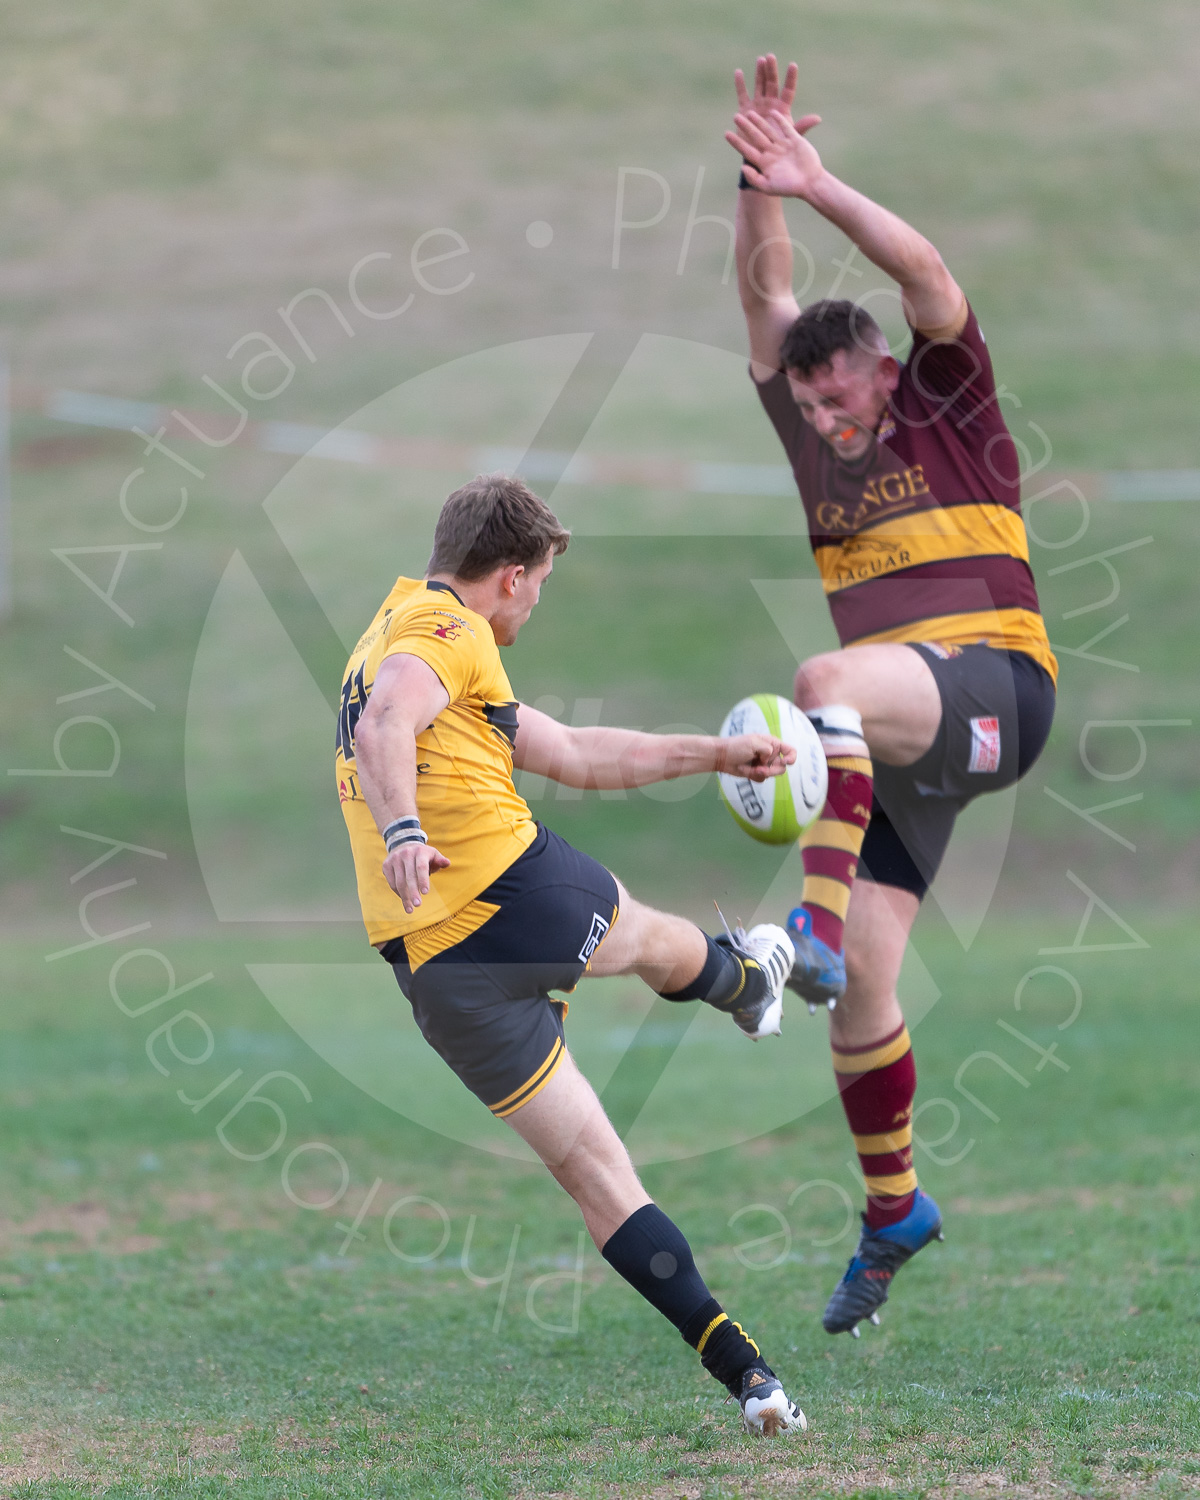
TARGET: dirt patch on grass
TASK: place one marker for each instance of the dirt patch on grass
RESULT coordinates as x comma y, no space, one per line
71,1228
115,1227
743,1466
145,1452
224,1210
82,1223
1083,1198
870,1478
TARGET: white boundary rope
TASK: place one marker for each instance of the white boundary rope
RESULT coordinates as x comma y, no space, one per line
371,450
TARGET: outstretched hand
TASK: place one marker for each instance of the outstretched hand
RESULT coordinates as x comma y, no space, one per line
778,159
754,757
769,97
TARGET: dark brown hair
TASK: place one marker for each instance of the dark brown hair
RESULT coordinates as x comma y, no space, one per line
825,327
494,522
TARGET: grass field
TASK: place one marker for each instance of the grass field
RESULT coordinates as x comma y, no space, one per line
172,1322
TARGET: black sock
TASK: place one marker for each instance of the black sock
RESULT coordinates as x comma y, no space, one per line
650,1252
655,1259
719,982
725,1350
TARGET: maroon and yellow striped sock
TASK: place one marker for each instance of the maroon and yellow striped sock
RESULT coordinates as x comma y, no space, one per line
877,1084
830,848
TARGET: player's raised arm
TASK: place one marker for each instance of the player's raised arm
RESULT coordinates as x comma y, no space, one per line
764,250
602,759
406,697
782,163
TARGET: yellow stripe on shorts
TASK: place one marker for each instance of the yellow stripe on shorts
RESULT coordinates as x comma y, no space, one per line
532,1086
427,942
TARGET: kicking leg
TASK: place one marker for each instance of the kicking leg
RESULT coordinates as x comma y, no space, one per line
743,975
567,1127
665,951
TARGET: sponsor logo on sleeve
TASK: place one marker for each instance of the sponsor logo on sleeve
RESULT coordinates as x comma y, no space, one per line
985,746
452,628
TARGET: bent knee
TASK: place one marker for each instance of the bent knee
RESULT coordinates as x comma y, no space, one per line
821,680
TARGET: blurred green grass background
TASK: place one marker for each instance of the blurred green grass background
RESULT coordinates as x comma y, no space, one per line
175,175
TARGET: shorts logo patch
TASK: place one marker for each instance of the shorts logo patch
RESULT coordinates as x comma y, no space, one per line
599,928
945,652
985,746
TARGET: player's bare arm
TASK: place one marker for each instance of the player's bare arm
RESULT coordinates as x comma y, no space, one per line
600,758
406,698
783,163
764,250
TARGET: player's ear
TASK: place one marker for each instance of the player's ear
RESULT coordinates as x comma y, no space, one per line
510,576
889,372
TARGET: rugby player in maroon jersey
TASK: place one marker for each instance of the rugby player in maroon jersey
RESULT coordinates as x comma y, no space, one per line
944,686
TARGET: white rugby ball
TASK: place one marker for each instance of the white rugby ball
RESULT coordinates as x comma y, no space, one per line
777,810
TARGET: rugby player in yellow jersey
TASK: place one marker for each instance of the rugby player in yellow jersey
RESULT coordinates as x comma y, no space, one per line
482,912
944,688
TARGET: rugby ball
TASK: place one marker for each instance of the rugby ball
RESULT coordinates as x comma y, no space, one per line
777,810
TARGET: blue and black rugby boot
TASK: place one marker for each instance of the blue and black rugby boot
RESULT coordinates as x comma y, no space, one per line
880,1254
818,974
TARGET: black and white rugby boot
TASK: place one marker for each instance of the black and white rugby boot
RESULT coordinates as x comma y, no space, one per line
767,955
766,1409
880,1254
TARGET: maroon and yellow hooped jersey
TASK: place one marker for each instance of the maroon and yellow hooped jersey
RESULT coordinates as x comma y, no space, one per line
922,538
468,806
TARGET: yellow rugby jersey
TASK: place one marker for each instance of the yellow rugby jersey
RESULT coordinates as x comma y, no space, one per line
466,800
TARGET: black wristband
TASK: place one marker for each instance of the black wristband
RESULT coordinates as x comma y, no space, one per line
415,837
743,184
405,830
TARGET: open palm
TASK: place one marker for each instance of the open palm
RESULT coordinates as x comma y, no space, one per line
770,96
778,159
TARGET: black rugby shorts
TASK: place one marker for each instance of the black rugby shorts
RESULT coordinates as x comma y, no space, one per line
997,707
484,1005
